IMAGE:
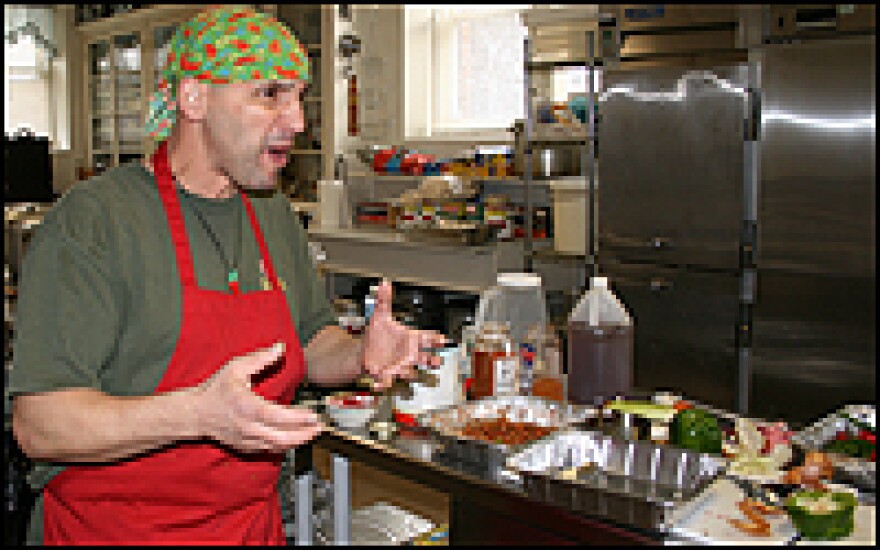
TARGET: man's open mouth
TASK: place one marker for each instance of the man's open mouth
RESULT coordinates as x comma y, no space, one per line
278,154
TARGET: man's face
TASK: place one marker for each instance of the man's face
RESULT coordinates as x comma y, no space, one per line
249,128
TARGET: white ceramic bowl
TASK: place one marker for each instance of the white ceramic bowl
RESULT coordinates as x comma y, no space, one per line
348,415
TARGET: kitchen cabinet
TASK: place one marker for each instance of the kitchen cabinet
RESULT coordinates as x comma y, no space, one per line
122,57
311,157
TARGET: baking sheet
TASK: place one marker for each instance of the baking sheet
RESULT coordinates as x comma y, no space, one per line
634,483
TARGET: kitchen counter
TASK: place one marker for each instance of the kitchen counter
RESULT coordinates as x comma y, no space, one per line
484,509
483,505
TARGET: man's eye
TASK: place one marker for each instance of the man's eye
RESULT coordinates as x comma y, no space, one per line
270,92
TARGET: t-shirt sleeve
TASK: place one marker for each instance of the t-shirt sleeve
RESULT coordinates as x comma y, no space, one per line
70,304
315,309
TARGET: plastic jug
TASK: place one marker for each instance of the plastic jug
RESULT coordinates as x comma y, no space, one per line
517,299
600,347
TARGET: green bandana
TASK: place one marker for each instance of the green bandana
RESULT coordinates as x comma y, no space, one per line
223,45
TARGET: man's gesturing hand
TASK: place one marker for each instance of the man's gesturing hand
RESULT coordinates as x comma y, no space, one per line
392,350
228,410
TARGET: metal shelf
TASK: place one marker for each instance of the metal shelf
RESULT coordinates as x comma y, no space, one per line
584,136
552,65
554,133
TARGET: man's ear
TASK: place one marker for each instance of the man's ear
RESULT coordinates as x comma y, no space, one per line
192,99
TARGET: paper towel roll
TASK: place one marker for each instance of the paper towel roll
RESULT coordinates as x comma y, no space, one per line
334,204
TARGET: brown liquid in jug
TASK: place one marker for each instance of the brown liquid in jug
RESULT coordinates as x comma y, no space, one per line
600,362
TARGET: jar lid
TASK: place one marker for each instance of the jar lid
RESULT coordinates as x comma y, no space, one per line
519,279
599,282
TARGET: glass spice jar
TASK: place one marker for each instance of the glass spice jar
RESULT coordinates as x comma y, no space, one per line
495,363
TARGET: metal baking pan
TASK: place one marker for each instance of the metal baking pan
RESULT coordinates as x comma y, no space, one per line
447,424
862,473
631,482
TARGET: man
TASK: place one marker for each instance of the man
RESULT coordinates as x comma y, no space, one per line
166,319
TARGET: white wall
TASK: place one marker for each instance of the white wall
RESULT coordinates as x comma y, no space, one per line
380,72
418,49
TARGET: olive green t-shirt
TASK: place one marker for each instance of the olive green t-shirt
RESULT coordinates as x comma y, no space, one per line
100,297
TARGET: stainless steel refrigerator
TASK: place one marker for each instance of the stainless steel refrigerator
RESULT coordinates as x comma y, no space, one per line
746,251
671,210
814,343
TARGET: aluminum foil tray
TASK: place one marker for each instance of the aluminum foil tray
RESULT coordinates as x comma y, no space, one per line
632,482
447,424
382,524
863,473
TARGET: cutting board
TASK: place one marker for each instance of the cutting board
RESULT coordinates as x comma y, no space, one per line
704,519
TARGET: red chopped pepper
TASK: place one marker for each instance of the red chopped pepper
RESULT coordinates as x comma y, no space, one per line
841,436
865,435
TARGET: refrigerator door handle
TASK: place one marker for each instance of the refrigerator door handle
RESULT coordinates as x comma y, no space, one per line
658,243
660,284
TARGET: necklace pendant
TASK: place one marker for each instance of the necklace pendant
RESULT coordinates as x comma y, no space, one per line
233,281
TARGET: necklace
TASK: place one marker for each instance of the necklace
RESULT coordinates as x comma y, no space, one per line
231,266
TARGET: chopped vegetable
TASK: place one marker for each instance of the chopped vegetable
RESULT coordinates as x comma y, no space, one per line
696,430
844,444
645,409
822,515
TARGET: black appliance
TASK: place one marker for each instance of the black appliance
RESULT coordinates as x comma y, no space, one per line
27,168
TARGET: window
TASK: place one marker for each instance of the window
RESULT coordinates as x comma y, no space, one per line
34,75
473,78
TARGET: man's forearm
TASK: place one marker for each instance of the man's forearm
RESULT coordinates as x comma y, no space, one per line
334,357
85,425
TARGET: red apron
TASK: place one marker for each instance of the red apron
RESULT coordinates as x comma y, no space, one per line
190,492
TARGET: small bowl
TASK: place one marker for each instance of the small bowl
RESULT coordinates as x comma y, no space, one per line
351,410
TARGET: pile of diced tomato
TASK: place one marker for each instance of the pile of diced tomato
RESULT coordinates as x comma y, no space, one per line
856,445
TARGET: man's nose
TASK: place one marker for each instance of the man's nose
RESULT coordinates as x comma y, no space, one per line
294,117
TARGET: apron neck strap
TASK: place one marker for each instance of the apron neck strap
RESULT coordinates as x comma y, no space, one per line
176,225
261,242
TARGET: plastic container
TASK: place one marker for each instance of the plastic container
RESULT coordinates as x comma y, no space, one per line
517,300
570,216
545,378
495,363
600,347
442,388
